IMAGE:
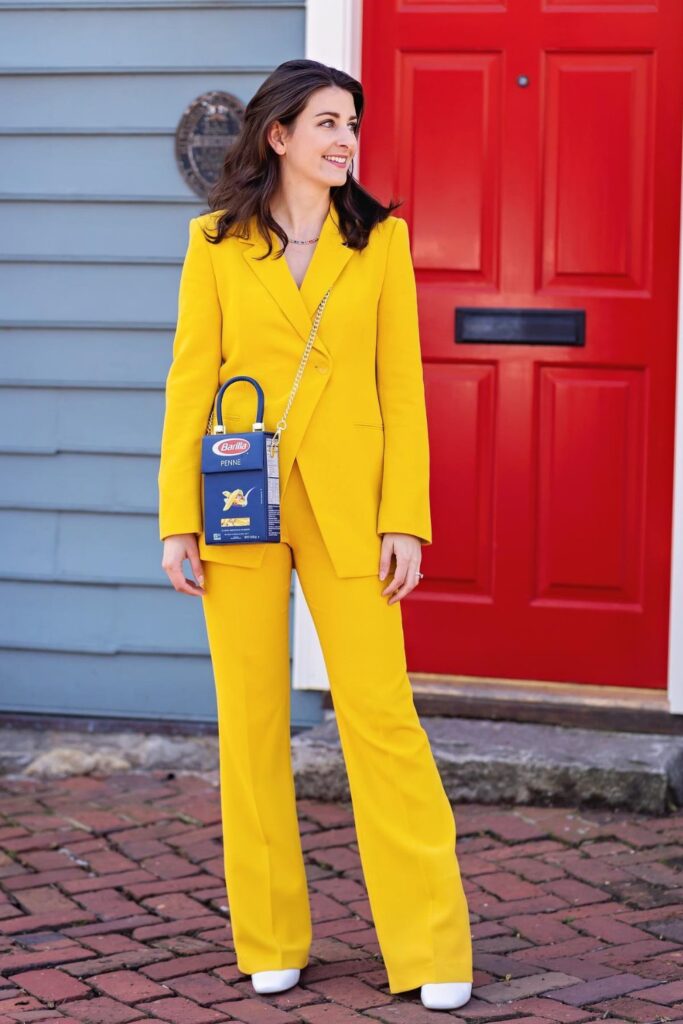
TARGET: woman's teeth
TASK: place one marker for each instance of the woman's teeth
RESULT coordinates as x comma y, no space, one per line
338,160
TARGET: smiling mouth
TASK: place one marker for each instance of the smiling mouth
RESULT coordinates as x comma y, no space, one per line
337,161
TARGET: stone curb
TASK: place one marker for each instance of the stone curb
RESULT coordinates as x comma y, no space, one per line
493,762
479,760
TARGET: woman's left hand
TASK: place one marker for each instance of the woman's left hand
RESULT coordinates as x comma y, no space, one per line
408,551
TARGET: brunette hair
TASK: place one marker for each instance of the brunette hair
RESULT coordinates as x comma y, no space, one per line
251,171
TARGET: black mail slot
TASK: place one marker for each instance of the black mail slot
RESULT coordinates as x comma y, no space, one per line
487,325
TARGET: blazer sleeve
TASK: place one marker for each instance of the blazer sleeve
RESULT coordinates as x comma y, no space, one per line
404,505
191,386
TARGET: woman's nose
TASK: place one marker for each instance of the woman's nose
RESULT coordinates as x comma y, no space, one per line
348,139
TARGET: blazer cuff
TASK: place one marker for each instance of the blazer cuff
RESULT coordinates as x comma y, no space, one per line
168,527
424,534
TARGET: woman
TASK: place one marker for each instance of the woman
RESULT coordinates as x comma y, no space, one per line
354,501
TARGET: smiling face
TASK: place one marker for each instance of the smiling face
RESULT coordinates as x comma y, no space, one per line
317,148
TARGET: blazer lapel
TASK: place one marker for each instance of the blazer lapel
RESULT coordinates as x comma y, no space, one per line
329,258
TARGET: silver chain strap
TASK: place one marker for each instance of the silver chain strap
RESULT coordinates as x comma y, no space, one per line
282,423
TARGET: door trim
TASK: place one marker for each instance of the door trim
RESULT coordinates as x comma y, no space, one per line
675,674
333,36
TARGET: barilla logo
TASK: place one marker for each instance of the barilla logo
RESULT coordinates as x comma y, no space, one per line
231,446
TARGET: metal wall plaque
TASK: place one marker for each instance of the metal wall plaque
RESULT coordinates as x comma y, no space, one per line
489,325
205,132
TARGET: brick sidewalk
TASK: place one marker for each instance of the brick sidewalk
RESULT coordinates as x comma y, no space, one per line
113,909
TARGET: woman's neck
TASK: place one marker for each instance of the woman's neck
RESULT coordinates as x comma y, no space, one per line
301,216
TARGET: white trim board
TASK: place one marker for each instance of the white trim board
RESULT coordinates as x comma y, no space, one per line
675,687
333,36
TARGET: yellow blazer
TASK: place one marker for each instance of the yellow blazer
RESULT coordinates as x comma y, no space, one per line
358,422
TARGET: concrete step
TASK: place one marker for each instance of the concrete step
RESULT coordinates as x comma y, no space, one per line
480,760
497,762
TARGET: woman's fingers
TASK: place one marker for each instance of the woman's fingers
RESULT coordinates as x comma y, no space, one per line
405,579
197,568
407,551
176,549
409,582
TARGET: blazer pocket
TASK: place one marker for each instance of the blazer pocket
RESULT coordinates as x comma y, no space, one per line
376,426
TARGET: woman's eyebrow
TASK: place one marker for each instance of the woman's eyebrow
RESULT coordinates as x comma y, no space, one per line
334,113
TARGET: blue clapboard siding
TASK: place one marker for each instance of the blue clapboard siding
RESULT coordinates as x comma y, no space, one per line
93,229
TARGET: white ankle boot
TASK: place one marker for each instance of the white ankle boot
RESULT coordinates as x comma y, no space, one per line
275,981
445,995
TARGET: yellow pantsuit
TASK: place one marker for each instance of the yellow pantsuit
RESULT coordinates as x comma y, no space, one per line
354,465
403,818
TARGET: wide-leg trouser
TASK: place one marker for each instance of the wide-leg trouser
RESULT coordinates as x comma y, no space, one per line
403,818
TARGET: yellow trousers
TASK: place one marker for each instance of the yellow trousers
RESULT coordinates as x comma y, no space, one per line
403,818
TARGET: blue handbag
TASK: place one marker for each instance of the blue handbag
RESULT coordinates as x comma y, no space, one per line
241,470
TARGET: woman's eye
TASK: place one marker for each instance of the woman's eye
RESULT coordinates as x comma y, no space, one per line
354,126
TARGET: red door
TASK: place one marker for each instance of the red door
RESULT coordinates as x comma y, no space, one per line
537,146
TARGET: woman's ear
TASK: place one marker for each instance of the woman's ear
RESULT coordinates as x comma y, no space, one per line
275,137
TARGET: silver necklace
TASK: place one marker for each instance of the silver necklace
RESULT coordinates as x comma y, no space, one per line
304,241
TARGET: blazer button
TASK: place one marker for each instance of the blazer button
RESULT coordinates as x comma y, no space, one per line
320,368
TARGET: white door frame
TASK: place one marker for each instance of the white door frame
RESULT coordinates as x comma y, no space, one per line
333,36
675,688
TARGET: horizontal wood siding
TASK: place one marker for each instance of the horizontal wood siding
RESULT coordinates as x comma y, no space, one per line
93,228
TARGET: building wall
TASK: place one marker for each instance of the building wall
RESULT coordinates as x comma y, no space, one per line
93,219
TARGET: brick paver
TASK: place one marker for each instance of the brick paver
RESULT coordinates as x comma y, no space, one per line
113,909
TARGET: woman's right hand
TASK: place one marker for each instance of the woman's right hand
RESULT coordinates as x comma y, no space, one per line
178,547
